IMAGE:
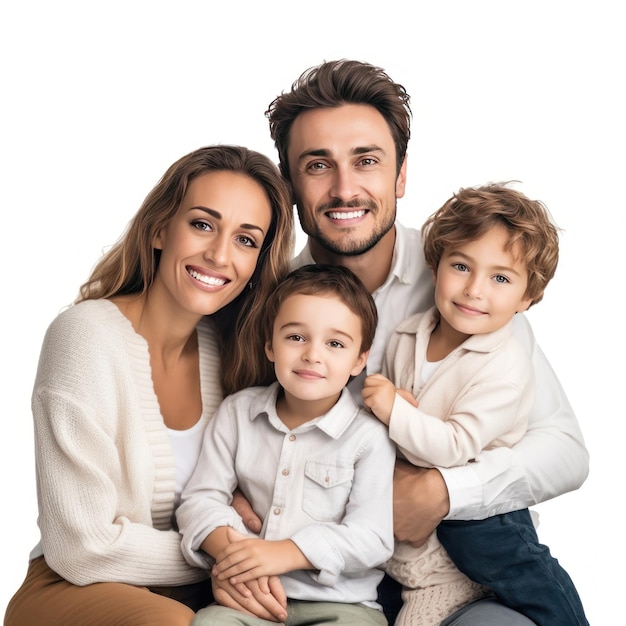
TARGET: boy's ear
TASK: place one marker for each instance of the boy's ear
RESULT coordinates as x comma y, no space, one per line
523,305
434,273
360,363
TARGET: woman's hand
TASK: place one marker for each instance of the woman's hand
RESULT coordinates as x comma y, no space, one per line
263,597
271,606
244,510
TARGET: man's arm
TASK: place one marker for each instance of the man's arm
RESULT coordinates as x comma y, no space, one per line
420,502
550,460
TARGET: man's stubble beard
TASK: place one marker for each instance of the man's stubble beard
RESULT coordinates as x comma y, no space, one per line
347,246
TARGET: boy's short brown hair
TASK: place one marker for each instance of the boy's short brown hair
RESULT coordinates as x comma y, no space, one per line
333,280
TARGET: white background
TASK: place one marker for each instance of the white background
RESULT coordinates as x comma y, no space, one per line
98,98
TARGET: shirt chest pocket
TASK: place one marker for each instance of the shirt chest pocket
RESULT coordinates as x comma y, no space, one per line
326,490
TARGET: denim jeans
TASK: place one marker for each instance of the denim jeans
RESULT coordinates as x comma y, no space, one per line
503,552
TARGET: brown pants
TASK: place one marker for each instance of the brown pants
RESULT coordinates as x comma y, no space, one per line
46,598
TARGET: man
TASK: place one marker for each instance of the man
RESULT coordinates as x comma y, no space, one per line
342,134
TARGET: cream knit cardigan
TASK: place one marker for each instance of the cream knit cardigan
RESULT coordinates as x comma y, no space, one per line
104,466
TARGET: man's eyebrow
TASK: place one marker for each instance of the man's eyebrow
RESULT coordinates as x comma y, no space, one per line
317,152
218,216
325,152
366,149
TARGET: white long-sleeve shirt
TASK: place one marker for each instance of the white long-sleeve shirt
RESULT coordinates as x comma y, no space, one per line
325,485
551,459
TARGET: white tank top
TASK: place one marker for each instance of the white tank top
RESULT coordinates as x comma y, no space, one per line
186,446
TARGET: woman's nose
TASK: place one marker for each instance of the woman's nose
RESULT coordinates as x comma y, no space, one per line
218,251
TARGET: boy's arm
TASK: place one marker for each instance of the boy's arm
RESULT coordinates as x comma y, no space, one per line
262,597
489,409
379,394
251,558
551,459
206,521
363,538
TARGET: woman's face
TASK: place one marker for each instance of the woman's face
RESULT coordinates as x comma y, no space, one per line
210,248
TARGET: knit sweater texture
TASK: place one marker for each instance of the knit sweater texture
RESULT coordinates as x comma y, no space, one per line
104,465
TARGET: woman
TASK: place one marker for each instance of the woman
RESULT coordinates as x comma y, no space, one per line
128,377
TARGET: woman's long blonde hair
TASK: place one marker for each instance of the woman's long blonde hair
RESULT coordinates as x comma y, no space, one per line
129,267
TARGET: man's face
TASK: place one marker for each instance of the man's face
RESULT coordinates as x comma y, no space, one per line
342,163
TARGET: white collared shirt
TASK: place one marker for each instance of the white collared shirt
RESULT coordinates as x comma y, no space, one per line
326,485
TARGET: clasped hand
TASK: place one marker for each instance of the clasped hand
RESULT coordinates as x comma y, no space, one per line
243,579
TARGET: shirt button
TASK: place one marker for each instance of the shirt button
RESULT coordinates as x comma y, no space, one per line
292,437
276,511
285,472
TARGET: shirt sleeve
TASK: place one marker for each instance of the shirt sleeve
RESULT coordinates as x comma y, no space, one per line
206,499
549,461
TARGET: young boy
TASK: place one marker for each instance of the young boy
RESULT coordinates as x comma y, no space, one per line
316,467
492,252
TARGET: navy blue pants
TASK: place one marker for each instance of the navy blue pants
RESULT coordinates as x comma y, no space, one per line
503,552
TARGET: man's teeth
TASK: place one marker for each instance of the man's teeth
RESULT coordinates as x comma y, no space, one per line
346,215
207,280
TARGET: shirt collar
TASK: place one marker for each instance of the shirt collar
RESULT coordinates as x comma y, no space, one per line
333,423
486,342
405,263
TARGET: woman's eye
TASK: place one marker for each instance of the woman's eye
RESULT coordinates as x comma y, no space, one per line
247,241
201,225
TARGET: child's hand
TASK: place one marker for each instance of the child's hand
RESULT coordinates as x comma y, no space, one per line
378,396
249,559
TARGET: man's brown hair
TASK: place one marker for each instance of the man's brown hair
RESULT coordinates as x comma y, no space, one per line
335,83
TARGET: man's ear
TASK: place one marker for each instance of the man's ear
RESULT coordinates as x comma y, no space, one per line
360,363
401,180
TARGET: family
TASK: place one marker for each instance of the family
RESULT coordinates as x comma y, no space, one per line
228,434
